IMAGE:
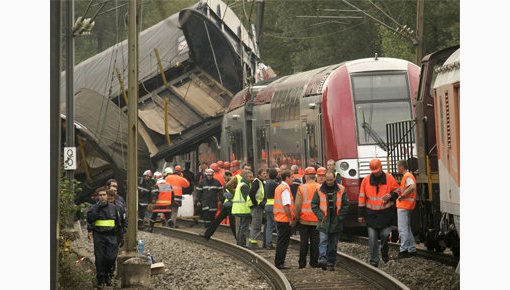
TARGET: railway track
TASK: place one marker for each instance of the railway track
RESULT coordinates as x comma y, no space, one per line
349,273
445,259
258,263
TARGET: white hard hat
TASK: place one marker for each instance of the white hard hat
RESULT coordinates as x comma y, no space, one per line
157,174
168,170
147,172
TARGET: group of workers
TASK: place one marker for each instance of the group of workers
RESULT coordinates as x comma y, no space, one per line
312,201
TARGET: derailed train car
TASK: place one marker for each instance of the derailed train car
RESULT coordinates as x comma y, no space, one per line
436,218
335,112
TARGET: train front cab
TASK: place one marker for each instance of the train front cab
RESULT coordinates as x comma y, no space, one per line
361,97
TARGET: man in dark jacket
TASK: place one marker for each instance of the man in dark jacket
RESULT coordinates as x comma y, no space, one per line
376,205
226,211
104,226
144,196
268,200
209,192
330,205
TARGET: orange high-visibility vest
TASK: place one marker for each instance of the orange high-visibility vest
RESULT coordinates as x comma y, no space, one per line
177,182
237,172
408,202
323,205
374,200
279,212
307,191
165,193
219,176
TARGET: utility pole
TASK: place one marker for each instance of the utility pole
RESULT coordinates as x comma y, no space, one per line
69,84
132,174
260,23
55,51
420,4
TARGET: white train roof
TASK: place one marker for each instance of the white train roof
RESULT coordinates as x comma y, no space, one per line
449,72
376,64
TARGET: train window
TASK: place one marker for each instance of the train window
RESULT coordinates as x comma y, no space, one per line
373,117
368,88
313,148
236,143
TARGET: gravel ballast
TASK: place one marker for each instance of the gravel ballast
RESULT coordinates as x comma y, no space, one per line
188,265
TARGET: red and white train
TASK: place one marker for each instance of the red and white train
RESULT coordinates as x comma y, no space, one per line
335,112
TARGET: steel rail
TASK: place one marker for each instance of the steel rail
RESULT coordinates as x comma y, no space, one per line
351,264
258,263
445,259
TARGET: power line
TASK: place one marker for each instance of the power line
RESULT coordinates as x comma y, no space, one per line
395,21
371,17
317,36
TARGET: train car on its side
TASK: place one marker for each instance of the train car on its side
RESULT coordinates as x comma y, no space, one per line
335,112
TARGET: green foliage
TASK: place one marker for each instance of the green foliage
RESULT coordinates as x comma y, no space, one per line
75,275
394,46
292,43
67,209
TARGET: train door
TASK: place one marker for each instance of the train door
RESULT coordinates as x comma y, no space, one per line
306,144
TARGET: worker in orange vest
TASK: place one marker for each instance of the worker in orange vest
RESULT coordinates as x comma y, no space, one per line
405,205
308,233
321,175
330,205
376,206
178,183
162,200
234,167
283,210
221,165
218,173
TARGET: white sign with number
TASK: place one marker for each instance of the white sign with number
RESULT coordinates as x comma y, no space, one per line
69,158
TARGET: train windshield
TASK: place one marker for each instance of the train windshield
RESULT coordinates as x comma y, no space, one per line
379,99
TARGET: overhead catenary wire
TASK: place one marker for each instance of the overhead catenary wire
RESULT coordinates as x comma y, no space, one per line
371,17
316,36
387,15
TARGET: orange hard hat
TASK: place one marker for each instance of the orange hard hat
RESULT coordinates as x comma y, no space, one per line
310,170
226,165
321,171
375,165
214,167
178,168
235,163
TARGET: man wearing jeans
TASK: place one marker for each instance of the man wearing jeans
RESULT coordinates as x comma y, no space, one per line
405,205
330,205
376,205
269,189
256,204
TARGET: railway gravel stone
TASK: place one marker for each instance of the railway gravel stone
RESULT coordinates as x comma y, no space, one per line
188,265
415,272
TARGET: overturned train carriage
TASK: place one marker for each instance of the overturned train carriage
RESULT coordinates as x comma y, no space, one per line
186,81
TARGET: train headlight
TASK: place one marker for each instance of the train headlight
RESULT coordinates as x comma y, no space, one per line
344,166
352,172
